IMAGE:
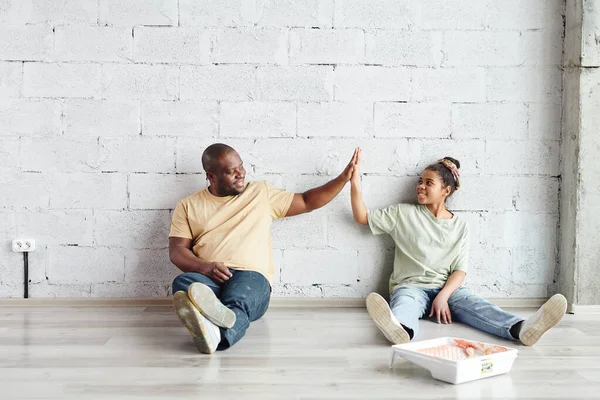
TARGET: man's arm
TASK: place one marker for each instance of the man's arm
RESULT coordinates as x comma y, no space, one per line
182,256
320,196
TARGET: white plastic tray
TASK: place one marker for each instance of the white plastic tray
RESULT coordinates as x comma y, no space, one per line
455,371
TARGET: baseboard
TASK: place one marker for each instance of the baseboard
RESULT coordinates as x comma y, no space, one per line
584,309
277,302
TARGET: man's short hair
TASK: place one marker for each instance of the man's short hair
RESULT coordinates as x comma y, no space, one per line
211,155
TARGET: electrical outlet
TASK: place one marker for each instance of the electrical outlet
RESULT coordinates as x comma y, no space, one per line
23,245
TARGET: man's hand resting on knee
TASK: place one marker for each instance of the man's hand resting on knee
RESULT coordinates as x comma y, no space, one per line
217,271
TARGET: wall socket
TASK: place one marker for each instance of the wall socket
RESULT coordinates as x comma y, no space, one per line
23,245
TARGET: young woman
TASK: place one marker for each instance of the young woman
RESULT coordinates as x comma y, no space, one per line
431,262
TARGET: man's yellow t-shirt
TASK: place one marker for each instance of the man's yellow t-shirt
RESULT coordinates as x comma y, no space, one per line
235,230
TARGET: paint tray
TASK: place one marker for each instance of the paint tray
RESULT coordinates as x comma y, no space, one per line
455,360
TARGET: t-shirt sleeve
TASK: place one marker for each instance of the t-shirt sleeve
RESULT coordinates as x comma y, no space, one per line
280,201
462,259
383,220
180,226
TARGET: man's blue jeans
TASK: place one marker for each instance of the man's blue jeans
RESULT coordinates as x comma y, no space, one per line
247,293
409,304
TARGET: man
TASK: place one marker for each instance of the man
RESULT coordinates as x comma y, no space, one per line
221,239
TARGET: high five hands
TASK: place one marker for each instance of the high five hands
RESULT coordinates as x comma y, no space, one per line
352,169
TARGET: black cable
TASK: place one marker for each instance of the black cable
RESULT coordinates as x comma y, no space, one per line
26,274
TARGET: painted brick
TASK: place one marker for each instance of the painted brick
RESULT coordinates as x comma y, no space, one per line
310,83
496,121
335,119
222,82
542,47
149,266
417,120
319,267
161,191
343,233
178,118
291,290
460,15
449,84
132,229
524,14
59,290
61,80
521,230
127,290
53,226
88,191
381,14
372,83
539,84
29,117
397,48
137,12
497,196
475,48
101,118
9,155
536,195
59,154
307,231
84,265
26,190
250,46
490,272
415,155
294,13
58,12
91,43
145,82
216,12
11,79
374,270
26,43
171,45
534,266
526,157
319,46
544,121
130,154
256,119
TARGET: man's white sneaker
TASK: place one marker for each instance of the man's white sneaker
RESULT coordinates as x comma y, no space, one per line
545,318
380,312
210,306
206,335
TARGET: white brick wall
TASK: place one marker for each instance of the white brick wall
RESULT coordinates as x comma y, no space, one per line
107,105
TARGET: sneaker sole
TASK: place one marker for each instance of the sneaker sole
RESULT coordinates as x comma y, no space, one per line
380,312
192,319
552,313
210,306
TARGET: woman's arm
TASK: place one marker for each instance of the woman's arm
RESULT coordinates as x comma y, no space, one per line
439,307
359,210
452,283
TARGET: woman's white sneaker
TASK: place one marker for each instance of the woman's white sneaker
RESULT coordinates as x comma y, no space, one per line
545,318
380,312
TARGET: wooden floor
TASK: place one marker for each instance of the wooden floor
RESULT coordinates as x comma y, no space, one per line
145,353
